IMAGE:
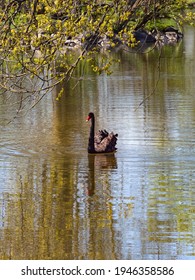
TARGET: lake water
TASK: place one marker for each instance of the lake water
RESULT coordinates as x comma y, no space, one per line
58,202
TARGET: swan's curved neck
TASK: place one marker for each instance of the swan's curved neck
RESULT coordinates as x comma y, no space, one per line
91,146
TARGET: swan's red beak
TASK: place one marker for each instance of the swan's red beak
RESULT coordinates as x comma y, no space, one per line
88,118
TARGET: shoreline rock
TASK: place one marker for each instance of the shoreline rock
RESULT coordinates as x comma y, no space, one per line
168,36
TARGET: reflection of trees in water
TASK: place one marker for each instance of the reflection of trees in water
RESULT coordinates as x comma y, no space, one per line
38,217
48,219
52,217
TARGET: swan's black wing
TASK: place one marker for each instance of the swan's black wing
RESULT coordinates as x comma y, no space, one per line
100,135
108,143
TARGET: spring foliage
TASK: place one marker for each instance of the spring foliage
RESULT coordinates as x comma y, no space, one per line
34,34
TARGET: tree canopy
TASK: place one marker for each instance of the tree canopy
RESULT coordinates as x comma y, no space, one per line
35,36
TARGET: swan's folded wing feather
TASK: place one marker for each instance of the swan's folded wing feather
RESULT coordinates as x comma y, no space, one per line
107,144
100,135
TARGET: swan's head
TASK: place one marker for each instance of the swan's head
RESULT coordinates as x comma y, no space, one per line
90,116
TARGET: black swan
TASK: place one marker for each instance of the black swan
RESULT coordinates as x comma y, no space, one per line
102,141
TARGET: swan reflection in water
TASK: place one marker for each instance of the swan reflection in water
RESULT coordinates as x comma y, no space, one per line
98,164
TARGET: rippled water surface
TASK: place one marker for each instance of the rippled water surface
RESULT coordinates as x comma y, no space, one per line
58,202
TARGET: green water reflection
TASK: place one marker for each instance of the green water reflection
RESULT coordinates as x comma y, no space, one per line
58,202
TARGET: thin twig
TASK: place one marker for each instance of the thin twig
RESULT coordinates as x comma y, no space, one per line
155,87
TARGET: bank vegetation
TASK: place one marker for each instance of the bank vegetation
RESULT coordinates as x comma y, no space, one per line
37,37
